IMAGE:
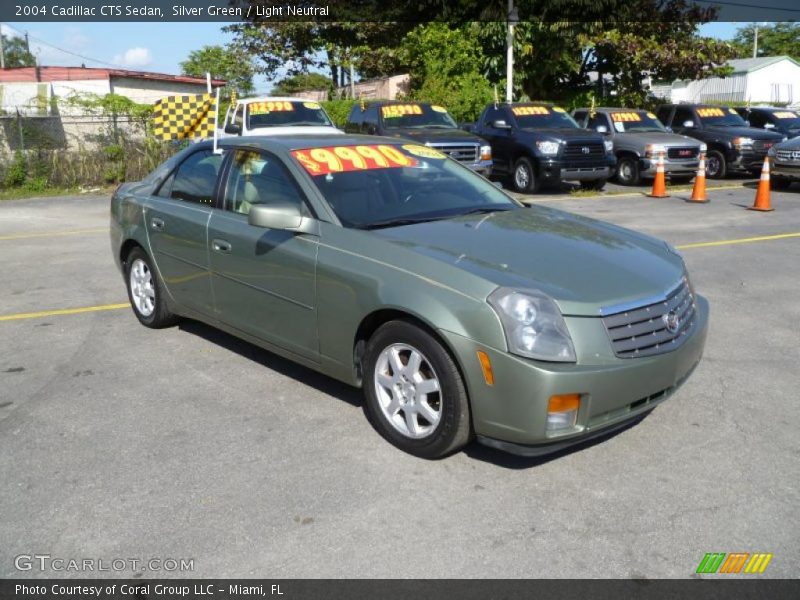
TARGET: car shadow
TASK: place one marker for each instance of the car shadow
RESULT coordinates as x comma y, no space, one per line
498,458
265,358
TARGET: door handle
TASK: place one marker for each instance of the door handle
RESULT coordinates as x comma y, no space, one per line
221,246
157,223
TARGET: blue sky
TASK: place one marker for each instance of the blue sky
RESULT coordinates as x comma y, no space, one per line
158,47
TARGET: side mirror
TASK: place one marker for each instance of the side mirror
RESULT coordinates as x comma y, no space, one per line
668,129
276,216
601,129
688,124
500,124
233,129
766,125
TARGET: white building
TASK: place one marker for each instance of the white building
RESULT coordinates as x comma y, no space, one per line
766,79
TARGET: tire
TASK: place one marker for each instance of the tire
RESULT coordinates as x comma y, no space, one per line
146,292
780,183
716,165
523,177
395,402
628,172
596,185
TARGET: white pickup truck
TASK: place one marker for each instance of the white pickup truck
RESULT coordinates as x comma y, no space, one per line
276,116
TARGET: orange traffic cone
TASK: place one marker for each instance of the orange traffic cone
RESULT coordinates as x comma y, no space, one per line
699,190
762,202
660,182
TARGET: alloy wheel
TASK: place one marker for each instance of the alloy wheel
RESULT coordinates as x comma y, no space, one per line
142,288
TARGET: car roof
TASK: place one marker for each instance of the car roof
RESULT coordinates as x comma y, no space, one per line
272,99
300,141
613,109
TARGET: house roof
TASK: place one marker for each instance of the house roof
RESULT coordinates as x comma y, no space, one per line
48,74
748,65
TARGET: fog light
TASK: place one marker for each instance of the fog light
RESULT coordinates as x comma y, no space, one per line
562,411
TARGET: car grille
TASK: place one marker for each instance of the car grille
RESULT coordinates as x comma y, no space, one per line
583,152
761,146
642,330
466,153
683,152
788,155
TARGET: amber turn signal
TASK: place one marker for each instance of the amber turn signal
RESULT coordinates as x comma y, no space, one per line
486,367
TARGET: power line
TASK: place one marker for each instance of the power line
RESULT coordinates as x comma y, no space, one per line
41,41
744,5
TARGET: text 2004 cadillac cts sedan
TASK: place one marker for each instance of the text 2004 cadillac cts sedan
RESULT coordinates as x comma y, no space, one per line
389,266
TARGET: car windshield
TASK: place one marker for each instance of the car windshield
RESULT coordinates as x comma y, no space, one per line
416,116
635,121
280,113
720,117
374,186
787,118
543,117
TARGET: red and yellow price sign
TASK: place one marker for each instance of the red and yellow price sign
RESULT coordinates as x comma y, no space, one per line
530,110
341,159
625,117
785,114
398,110
710,112
262,108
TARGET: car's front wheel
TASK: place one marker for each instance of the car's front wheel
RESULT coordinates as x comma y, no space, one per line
145,291
415,396
524,177
628,171
716,166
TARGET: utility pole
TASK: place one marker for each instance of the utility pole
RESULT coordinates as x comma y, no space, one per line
352,81
755,41
2,53
512,19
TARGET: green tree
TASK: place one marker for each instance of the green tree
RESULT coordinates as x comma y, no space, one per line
223,63
301,82
774,39
16,53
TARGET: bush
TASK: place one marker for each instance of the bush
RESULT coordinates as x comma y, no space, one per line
338,110
17,171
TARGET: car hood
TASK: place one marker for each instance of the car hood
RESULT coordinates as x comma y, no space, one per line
583,264
436,136
751,132
657,137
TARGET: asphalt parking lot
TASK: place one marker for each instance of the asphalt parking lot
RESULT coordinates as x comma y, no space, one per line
119,441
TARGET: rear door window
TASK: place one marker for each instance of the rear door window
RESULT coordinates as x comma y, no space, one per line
196,178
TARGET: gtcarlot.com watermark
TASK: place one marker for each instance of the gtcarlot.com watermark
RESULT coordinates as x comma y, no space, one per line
57,564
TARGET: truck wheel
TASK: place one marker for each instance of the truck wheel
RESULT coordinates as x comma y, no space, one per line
780,183
145,291
596,185
524,177
414,394
628,171
716,166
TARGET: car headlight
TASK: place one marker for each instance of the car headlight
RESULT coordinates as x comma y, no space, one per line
609,145
742,141
703,148
547,147
654,149
486,153
533,325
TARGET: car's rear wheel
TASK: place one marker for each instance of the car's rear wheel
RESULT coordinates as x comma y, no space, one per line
415,395
628,171
524,177
716,166
145,291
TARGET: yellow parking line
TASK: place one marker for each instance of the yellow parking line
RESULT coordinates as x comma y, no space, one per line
63,311
762,238
22,236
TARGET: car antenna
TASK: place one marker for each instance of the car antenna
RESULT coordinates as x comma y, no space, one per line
495,96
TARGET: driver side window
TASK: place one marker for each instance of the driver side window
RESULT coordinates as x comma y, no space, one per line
259,178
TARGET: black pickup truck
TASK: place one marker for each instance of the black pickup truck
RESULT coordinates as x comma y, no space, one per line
423,123
534,143
732,144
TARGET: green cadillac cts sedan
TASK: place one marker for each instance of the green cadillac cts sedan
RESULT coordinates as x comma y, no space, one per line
387,265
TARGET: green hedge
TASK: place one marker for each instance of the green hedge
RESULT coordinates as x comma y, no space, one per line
338,110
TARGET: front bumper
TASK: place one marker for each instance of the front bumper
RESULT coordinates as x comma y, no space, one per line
747,160
512,413
786,170
483,167
648,166
554,169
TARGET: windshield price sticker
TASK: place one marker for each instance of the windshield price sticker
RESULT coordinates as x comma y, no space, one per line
530,110
785,114
312,105
439,109
710,112
342,159
625,117
423,151
262,108
398,110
